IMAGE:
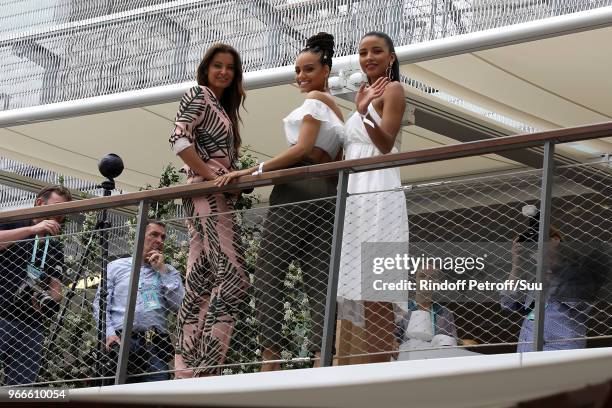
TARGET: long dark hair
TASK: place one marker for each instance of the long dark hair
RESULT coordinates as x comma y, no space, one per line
234,95
395,72
321,44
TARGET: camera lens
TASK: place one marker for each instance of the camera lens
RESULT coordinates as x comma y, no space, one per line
48,305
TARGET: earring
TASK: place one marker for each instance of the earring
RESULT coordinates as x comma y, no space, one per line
389,72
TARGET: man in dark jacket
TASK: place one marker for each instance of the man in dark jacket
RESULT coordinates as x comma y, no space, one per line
31,267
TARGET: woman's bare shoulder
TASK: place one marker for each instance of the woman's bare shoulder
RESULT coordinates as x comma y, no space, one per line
327,99
394,92
395,88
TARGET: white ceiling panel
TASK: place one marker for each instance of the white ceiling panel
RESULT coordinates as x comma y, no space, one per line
562,80
573,67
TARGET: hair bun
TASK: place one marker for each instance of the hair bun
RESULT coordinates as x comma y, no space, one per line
323,41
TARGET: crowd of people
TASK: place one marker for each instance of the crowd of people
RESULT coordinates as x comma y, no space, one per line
207,138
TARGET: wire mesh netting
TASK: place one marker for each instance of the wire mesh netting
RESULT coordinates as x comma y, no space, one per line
242,290
61,50
207,304
474,241
48,285
256,283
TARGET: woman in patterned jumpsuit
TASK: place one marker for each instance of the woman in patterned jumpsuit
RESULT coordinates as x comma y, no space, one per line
206,137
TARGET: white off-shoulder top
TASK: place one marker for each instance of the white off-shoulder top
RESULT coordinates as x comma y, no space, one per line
331,132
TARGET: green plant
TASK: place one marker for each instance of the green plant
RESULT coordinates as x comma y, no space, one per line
162,210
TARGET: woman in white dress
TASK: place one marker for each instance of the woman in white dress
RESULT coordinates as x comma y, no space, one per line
313,132
373,130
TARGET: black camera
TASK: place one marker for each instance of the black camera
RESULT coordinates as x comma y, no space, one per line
35,288
531,233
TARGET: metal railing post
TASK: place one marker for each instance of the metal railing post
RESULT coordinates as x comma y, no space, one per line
128,320
334,268
103,225
543,240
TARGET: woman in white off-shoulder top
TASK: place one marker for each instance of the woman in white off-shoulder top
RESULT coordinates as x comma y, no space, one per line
375,208
301,231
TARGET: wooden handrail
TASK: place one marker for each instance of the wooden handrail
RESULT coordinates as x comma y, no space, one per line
435,154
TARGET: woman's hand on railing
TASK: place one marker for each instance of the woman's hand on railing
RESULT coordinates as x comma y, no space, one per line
225,179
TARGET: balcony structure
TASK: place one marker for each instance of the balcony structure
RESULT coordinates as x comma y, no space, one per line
95,69
480,214
115,81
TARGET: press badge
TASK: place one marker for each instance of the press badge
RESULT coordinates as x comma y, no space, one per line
150,298
150,294
34,272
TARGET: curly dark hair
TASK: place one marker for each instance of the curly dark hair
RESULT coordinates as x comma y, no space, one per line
323,45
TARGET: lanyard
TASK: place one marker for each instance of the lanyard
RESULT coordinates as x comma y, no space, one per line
156,280
44,257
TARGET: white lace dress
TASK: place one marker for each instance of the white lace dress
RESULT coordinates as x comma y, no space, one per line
372,217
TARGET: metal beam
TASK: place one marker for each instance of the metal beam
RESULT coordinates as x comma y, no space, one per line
498,37
34,185
464,130
543,260
128,319
122,17
334,271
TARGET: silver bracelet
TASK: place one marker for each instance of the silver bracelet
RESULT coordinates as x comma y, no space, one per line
259,170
